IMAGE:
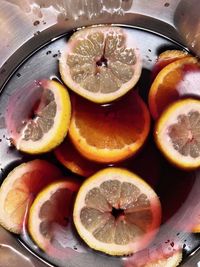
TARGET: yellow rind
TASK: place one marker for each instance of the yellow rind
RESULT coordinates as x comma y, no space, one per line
58,135
91,182
159,126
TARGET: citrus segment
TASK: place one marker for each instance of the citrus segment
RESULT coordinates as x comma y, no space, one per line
109,133
38,117
51,206
180,78
101,63
166,58
116,212
67,154
20,187
177,133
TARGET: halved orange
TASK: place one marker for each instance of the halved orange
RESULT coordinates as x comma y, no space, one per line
38,116
180,78
101,63
109,133
177,133
19,189
51,208
68,155
166,58
116,212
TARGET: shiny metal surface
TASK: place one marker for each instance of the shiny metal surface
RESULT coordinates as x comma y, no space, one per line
22,20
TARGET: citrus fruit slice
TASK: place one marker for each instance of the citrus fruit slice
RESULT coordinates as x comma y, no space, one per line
116,212
38,117
166,58
101,63
109,133
177,133
67,154
180,78
19,188
51,206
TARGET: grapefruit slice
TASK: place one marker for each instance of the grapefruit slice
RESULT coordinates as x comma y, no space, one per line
116,212
51,206
19,189
101,63
179,78
177,133
38,117
109,133
68,155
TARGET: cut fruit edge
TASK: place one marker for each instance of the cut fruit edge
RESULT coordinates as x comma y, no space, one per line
169,117
159,79
98,97
34,220
56,135
112,248
5,218
106,155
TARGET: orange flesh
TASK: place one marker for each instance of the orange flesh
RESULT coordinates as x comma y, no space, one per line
179,82
111,126
67,154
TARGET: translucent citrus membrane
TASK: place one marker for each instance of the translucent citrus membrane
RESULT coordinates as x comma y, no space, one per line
185,134
50,215
101,63
19,189
30,112
177,133
116,212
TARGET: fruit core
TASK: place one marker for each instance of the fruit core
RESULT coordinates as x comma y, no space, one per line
116,212
41,118
101,62
185,134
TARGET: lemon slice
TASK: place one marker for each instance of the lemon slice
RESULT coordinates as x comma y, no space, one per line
101,63
177,133
116,212
19,189
38,118
51,206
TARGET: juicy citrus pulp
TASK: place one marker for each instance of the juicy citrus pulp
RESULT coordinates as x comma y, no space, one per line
38,119
100,63
20,187
180,78
67,154
109,133
51,206
177,133
116,212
